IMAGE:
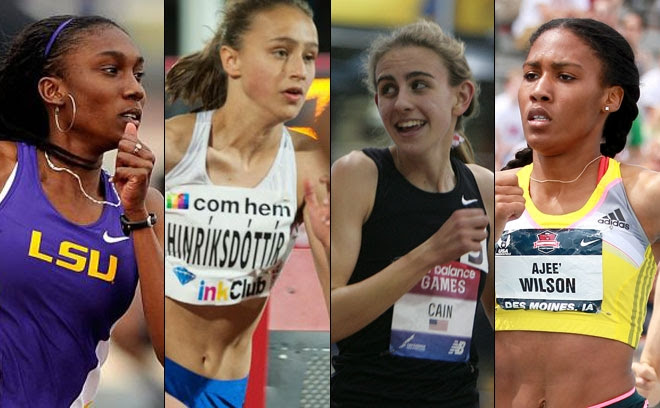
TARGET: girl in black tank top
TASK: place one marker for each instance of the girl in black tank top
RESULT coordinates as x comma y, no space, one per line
405,294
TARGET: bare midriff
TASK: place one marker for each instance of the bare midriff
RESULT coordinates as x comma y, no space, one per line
212,341
558,370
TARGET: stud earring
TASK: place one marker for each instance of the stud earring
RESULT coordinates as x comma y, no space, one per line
607,109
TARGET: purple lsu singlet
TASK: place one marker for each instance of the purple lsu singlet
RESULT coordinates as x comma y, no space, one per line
62,288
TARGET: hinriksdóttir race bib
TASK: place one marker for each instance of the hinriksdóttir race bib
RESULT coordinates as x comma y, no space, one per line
224,245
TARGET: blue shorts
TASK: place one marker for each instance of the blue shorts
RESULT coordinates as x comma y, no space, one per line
197,391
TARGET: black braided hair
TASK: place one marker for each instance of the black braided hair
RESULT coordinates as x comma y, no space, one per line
619,69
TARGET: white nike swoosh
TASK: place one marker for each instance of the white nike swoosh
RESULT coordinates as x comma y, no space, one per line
112,240
582,243
468,202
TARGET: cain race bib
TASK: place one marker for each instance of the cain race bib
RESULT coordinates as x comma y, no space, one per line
550,269
224,245
434,319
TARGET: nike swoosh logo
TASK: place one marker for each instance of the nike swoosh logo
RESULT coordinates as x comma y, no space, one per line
468,202
112,240
582,243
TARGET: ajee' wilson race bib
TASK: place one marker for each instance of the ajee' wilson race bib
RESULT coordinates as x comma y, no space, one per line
434,319
550,269
224,245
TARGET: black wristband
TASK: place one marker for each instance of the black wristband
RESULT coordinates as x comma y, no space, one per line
128,226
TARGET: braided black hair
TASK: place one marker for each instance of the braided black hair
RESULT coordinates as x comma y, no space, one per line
618,64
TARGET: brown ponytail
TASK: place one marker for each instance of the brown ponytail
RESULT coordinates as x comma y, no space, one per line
199,77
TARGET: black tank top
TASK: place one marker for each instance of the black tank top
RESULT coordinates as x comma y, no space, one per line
366,373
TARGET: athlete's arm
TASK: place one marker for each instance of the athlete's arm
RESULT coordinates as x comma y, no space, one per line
319,212
148,244
316,216
354,180
643,190
8,158
178,133
321,261
485,180
509,200
132,175
312,163
648,368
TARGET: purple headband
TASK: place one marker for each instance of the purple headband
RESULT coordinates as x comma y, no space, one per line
55,34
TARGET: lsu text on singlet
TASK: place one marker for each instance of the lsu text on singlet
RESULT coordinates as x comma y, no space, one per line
62,288
587,272
225,244
420,351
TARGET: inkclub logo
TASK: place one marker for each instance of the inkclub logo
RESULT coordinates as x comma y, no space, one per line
546,242
177,201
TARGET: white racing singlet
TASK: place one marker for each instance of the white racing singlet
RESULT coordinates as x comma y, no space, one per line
226,244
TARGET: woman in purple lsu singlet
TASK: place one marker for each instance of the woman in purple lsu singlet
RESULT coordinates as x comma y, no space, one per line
73,241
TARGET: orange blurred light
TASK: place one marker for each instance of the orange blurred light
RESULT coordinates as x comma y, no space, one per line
307,131
320,90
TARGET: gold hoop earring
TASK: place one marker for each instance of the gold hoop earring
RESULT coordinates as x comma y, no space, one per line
73,115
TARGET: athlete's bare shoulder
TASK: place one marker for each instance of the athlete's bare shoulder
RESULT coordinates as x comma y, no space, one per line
640,181
481,174
356,164
355,178
643,190
178,133
8,151
485,180
633,170
8,157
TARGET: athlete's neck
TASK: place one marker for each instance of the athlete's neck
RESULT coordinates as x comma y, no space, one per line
76,151
66,184
565,167
430,171
243,132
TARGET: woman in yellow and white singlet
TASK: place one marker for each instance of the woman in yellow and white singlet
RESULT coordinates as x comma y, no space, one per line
577,230
236,193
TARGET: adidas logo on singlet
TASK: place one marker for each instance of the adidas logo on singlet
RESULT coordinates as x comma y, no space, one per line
615,219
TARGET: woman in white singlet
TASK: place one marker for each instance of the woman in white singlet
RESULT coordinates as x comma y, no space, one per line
235,193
